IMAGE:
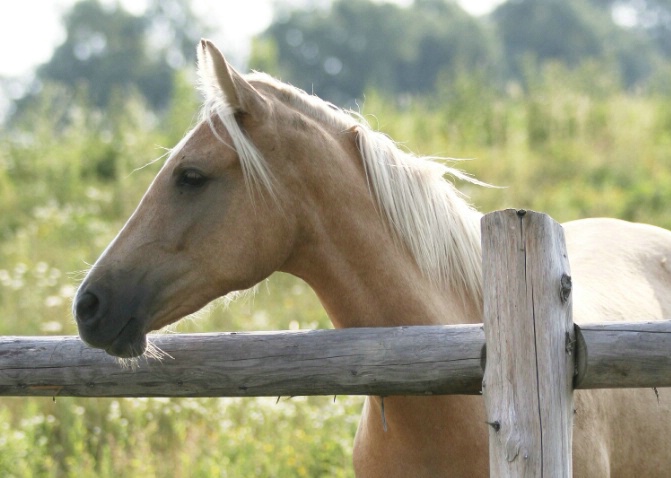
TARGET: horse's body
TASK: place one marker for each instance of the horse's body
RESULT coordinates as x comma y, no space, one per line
383,240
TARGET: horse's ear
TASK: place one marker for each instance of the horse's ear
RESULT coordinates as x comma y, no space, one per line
220,81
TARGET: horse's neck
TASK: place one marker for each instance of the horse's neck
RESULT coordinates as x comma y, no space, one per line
346,253
388,296
363,278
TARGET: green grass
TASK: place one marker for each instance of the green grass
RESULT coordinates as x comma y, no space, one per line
303,437
70,176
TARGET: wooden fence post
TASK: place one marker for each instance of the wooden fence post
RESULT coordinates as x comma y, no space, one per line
530,338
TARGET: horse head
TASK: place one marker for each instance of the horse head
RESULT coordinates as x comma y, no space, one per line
215,219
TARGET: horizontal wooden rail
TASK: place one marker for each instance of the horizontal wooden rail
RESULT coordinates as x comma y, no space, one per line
364,361
367,361
623,355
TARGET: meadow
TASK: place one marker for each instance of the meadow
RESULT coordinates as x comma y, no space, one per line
571,143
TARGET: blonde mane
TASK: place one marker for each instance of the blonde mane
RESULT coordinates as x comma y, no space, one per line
425,212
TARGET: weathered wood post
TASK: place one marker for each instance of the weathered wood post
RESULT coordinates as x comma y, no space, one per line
530,337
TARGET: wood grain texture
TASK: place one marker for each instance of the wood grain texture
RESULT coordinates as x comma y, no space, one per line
613,355
528,328
362,361
623,355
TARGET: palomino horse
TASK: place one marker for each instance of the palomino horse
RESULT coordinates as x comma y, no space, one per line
273,179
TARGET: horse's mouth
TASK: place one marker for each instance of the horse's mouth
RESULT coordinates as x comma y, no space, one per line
130,342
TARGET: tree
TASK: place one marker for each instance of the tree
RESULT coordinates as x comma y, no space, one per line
551,30
358,44
107,49
572,32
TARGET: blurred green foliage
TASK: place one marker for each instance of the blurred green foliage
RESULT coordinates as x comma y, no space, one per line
108,50
573,144
341,48
340,52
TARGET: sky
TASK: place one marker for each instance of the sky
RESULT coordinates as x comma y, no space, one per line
30,30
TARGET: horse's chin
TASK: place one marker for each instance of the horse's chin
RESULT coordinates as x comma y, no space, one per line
131,341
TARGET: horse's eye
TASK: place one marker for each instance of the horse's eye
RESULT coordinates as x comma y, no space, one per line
191,178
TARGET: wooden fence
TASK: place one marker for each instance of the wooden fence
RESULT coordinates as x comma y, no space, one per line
531,340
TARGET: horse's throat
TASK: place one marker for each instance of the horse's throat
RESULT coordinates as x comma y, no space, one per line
383,287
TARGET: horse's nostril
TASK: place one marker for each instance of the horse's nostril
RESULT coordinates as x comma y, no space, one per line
87,306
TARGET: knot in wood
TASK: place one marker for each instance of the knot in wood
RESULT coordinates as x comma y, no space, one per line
566,284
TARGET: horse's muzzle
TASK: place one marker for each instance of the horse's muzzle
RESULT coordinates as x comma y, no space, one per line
101,324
